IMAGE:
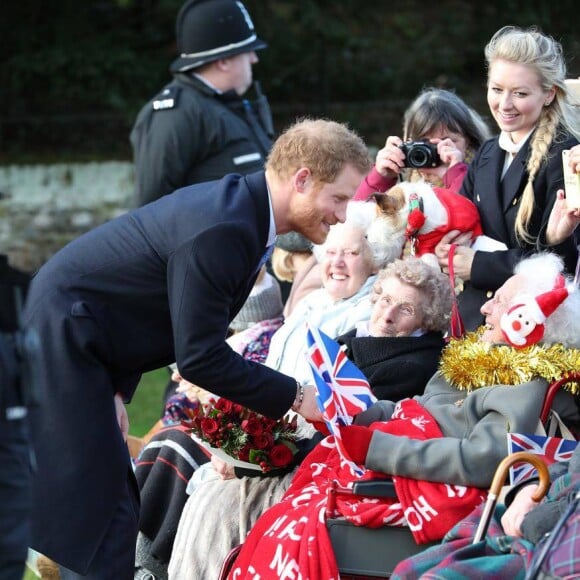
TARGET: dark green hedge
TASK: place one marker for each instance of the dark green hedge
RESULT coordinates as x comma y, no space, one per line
73,74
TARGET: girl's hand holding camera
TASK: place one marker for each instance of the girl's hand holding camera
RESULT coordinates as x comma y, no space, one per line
449,152
390,159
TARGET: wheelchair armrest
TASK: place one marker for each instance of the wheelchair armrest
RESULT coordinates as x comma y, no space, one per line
368,488
375,488
553,388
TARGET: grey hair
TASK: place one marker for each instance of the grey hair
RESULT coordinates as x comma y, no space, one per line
383,243
433,284
540,272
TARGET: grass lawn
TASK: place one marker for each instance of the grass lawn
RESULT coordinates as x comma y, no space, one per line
146,407
144,410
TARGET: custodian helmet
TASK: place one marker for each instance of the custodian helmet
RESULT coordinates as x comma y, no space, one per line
208,30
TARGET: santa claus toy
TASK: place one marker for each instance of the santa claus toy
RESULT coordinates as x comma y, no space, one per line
523,324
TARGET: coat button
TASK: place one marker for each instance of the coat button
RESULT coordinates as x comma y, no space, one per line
489,294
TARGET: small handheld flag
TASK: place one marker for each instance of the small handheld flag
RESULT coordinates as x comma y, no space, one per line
342,389
550,449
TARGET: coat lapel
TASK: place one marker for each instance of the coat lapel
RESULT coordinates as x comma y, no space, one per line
489,193
513,184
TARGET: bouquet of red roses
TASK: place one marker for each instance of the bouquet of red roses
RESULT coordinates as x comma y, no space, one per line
244,434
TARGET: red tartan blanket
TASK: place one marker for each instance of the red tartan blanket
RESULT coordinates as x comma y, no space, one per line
290,540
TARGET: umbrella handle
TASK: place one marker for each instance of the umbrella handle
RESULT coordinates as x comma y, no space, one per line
519,457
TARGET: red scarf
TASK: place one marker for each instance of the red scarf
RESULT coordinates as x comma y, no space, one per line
291,536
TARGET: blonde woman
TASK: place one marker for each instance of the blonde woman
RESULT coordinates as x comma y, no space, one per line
515,177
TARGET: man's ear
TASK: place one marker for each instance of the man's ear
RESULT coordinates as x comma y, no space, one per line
222,64
302,178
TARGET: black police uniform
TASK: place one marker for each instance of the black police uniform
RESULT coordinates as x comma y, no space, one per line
189,133
15,455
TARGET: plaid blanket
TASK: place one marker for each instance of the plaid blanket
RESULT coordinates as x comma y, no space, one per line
458,559
498,555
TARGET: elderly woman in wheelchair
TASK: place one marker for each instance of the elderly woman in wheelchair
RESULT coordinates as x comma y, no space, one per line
441,448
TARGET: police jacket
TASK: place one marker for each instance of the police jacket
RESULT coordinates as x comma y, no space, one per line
189,133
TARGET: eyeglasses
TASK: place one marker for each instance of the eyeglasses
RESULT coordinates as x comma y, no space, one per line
405,308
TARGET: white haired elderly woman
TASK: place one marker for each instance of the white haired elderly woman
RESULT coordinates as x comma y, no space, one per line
349,260
398,348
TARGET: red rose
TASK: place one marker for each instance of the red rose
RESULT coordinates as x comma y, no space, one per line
209,426
252,426
263,440
280,455
244,453
269,424
224,405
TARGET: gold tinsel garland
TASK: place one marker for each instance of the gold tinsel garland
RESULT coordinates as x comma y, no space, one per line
469,363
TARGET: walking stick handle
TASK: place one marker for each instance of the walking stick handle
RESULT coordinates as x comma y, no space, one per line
519,457
498,482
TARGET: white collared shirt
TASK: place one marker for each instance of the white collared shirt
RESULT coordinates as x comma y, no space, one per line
512,149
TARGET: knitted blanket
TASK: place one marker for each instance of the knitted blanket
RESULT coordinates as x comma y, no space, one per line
162,470
291,539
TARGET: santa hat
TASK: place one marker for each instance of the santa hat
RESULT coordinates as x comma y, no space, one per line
523,324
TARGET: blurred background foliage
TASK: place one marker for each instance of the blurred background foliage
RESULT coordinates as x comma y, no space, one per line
73,74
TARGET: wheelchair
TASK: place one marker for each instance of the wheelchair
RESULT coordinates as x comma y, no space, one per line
370,553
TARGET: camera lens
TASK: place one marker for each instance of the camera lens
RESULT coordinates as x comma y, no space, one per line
419,157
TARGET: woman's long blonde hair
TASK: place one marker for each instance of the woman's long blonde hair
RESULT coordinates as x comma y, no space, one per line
540,51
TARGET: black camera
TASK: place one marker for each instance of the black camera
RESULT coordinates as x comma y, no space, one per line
420,154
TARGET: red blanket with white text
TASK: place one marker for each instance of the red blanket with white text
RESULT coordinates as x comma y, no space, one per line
290,540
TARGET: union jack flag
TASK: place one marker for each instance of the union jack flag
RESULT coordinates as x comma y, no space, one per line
342,389
551,449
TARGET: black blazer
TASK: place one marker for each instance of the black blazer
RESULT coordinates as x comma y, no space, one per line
158,284
498,201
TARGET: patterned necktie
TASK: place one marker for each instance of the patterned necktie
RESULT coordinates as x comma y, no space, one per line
265,257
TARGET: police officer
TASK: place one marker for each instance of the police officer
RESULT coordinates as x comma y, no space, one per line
199,127
15,464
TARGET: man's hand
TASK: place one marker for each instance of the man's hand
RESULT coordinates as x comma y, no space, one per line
122,417
309,407
356,441
514,515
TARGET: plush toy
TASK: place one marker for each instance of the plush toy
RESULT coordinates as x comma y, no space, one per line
426,214
523,324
